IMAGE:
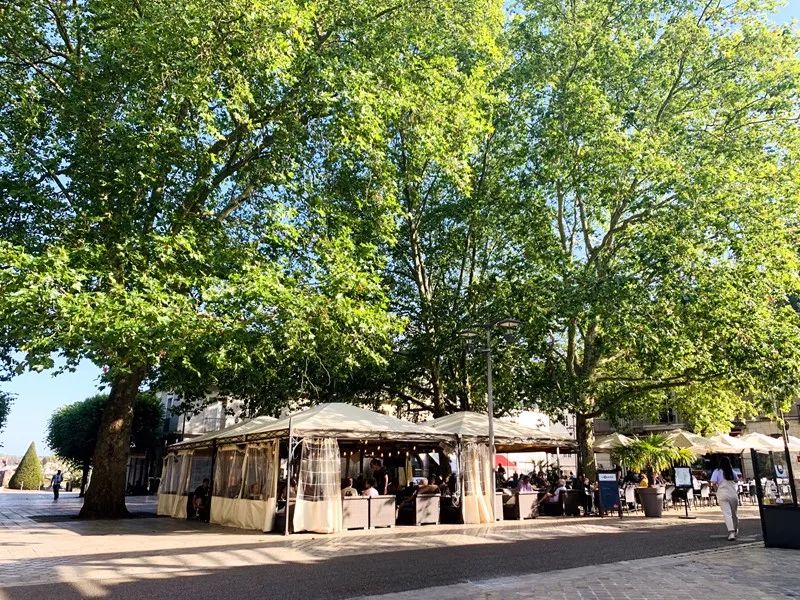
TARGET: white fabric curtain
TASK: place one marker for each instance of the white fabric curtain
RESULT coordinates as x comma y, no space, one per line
228,472
478,485
253,507
319,503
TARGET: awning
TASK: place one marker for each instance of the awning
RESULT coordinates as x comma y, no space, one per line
508,437
611,441
502,461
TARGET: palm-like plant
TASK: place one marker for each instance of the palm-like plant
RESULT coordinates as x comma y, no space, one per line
653,453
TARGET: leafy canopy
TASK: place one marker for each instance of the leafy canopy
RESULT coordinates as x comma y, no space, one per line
72,430
653,452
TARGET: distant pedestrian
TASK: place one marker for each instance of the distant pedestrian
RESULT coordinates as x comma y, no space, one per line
724,479
56,484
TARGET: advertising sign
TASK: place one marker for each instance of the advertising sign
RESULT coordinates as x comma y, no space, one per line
609,490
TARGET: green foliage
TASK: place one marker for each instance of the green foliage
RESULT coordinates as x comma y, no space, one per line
29,474
6,400
72,429
661,142
652,453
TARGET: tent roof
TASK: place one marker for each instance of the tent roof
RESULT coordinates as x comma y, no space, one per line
686,439
725,444
611,441
338,420
237,429
759,441
509,437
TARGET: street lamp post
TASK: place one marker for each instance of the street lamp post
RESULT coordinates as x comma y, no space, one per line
508,324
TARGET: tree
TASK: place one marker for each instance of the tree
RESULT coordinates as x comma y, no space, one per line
169,207
661,146
29,474
72,429
5,407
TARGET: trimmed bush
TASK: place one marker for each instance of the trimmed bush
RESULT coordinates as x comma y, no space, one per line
29,474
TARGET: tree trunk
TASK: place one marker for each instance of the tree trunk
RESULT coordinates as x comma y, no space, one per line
584,432
105,497
84,478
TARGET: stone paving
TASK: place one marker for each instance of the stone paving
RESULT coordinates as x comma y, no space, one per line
61,549
745,571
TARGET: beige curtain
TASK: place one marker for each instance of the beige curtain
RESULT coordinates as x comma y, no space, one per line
476,469
319,504
246,496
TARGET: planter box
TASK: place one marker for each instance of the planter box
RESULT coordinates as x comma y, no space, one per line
781,526
355,512
382,511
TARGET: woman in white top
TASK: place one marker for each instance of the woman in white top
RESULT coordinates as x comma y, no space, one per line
724,479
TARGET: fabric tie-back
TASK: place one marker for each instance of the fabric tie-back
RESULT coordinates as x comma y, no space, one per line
319,503
478,485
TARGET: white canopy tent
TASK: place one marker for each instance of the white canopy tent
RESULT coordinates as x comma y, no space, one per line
242,482
477,472
247,462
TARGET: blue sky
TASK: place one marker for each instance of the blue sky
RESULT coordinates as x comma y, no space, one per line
39,394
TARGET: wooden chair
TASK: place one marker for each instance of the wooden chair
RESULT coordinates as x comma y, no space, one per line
355,512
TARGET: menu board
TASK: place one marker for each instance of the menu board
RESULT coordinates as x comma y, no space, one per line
683,477
609,490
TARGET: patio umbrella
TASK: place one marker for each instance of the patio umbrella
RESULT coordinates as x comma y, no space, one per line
762,442
725,444
681,438
611,441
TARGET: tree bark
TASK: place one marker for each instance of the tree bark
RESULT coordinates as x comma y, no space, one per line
584,432
84,478
105,497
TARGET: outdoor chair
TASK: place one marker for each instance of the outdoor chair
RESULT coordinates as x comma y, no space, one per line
629,497
668,498
521,505
355,512
553,509
382,511
705,495
572,503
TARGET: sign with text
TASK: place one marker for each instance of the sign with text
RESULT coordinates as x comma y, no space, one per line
683,477
609,490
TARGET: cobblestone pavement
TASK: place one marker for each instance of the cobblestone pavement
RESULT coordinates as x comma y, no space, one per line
748,571
94,556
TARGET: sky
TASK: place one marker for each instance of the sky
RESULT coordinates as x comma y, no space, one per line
38,395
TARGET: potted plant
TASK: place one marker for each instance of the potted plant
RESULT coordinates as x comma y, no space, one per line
652,454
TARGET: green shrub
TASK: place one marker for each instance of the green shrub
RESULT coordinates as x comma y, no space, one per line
29,474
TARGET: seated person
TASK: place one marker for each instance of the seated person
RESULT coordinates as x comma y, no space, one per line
254,492
426,488
200,500
348,490
369,488
540,480
643,481
444,490
525,484
554,496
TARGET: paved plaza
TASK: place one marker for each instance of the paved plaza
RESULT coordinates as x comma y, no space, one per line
42,548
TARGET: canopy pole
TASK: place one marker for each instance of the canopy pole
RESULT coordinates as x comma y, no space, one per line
290,452
490,411
788,456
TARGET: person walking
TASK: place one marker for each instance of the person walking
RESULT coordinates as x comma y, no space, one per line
56,483
724,479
